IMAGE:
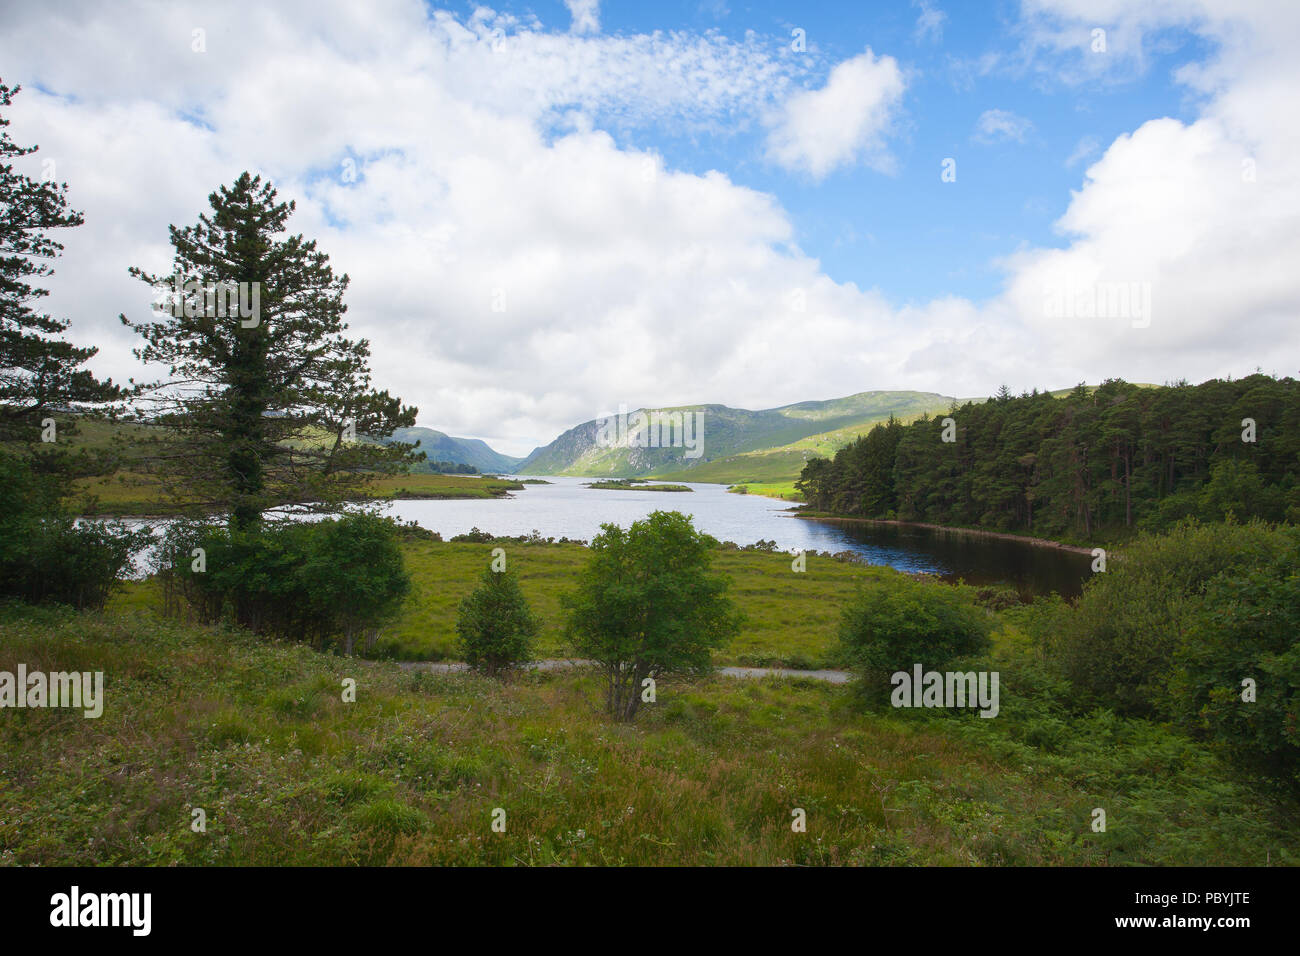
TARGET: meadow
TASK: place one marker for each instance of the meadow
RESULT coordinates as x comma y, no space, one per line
257,735
126,492
790,617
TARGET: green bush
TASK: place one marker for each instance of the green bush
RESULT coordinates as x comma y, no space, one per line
328,583
495,628
47,557
896,622
1176,625
1118,646
1249,631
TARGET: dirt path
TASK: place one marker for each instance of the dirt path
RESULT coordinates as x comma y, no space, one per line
452,667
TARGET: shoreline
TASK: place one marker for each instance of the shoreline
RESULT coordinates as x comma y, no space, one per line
977,532
168,516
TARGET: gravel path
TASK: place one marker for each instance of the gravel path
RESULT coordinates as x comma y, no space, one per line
831,677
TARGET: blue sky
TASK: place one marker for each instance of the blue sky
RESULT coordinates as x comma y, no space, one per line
656,204
909,234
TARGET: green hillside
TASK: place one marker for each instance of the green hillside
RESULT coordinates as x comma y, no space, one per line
439,446
773,441
772,471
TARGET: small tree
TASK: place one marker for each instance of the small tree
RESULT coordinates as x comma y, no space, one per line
648,605
496,628
896,622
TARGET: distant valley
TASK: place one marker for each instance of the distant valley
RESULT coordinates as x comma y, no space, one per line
439,446
739,445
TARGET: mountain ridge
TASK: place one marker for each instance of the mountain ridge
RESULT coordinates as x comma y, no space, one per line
726,433
439,446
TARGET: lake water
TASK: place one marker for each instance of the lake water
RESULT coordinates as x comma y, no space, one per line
567,508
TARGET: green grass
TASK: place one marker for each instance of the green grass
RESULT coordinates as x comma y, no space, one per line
129,493
442,486
258,736
778,467
633,484
791,616
782,464
784,490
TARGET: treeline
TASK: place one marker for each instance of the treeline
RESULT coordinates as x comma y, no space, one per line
444,468
1120,456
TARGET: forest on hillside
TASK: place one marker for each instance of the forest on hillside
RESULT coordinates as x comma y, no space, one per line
1116,458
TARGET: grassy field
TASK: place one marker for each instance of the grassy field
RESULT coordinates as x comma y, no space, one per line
128,493
257,735
784,490
131,490
791,616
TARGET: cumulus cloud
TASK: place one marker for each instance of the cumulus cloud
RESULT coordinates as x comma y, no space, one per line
844,122
517,275
586,15
1001,125
1205,215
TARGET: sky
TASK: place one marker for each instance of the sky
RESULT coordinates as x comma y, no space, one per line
551,210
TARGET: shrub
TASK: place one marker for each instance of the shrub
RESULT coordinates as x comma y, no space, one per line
1118,645
353,578
1249,630
895,622
49,557
327,583
647,604
67,562
495,628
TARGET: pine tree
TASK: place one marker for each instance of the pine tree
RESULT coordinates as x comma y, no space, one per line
39,371
267,401
495,627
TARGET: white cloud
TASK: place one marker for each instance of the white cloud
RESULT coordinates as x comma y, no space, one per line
1086,148
1000,125
929,24
624,280
817,131
1172,206
586,15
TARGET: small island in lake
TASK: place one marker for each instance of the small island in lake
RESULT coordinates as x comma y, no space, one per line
633,484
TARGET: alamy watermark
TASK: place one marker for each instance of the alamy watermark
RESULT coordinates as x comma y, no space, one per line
1099,300
191,298
652,429
949,689
36,689
75,908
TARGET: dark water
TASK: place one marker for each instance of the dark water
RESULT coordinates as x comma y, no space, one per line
566,508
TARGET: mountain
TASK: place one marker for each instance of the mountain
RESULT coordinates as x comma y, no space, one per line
771,443
465,451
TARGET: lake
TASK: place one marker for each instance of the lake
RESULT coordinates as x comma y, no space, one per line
567,508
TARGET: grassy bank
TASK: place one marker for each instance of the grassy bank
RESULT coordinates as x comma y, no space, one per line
790,616
257,735
131,493
785,490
